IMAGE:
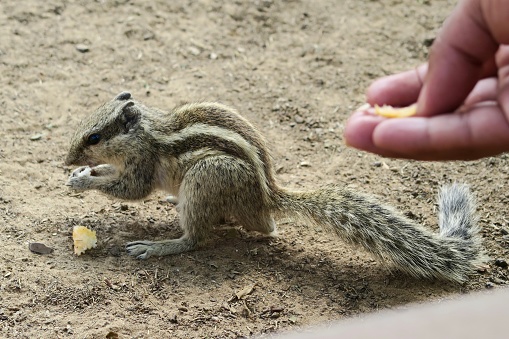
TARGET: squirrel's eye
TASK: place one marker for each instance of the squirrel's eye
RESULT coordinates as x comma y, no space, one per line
94,139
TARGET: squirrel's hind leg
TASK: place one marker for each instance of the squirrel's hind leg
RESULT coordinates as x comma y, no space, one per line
260,222
197,216
145,249
207,194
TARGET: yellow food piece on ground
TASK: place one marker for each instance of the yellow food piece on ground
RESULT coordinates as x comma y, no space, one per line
84,239
391,112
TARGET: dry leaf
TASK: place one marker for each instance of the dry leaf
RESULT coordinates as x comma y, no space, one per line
245,291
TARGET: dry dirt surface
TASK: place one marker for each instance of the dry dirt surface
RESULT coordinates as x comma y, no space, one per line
296,69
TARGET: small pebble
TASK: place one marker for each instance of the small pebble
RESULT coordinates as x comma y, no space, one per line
482,269
116,251
298,119
39,248
501,263
173,319
82,48
194,51
148,36
36,137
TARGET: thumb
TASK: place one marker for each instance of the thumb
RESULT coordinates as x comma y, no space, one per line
468,41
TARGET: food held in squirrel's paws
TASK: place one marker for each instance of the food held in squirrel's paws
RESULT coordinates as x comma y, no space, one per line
387,111
84,239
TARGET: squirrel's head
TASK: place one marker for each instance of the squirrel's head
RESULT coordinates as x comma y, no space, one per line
103,136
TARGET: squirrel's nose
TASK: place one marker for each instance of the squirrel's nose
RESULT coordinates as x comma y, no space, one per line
70,160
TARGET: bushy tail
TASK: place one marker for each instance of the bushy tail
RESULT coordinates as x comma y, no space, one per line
390,236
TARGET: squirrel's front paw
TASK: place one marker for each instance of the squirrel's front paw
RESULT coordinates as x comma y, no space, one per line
81,178
103,170
84,178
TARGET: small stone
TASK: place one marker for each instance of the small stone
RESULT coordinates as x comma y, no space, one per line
305,164
36,137
82,48
277,308
173,319
194,51
213,56
116,251
112,335
298,119
482,269
501,263
320,82
489,285
148,36
39,248
504,231
377,164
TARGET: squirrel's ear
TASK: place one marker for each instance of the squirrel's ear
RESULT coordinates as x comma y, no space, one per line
130,116
123,96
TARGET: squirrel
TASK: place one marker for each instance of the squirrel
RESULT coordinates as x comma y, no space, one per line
217,166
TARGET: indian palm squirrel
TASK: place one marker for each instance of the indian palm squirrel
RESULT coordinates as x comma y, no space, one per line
217,166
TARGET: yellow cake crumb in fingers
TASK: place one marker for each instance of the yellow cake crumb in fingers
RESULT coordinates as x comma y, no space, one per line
392,112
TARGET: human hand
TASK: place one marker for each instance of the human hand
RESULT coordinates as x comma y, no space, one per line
462,93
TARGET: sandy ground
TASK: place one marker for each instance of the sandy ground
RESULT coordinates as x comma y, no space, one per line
296,69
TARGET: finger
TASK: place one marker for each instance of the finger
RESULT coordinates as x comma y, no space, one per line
403,89
459,55
485,90
496,15
397,90
359,131
359,134
479,132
